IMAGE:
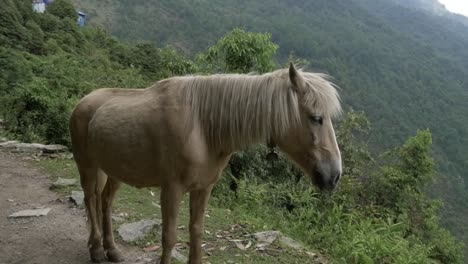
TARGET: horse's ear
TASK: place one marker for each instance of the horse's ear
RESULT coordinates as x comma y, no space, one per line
296,78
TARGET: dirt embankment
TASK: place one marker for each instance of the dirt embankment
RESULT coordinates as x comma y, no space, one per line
59,237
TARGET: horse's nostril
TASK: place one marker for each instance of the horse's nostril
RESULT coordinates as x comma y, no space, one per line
336,179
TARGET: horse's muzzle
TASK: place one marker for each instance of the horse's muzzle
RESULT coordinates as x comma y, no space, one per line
327,175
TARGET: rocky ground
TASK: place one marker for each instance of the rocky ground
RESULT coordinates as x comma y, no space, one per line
58,237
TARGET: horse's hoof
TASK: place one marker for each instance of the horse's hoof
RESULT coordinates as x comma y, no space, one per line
97,255
114,255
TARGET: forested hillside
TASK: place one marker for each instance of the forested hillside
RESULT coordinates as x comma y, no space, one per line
403,82
403,62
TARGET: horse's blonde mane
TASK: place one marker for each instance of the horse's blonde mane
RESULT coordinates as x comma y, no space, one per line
235,110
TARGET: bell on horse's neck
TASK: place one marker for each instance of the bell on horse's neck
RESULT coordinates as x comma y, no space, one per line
272,155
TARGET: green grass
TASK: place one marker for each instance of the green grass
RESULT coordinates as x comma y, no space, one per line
222,225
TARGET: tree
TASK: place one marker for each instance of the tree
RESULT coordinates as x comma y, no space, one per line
242,52
62,9
12,31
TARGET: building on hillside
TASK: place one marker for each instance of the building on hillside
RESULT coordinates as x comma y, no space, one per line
81,19
38,6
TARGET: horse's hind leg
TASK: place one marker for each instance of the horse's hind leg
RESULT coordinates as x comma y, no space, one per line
108,195
92,198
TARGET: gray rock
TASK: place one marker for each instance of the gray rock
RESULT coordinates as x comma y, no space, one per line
62,182
9,144
33,147
289,242
77,197
143,260
29,147
266,238
177,255
117,218
136,230
54,149
30,213
3,139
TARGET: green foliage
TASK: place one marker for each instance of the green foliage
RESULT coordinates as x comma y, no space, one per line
43,78
241,52
62,9
355,154
36,44
12,30
399,190
380,214
175,64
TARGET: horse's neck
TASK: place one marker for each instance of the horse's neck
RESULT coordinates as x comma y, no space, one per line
237,112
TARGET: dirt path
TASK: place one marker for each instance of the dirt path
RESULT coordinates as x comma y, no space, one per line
59,237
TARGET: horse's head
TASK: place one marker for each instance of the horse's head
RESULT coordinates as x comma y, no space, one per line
312,142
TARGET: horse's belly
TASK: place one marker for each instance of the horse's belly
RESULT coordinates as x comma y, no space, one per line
133,173
134,160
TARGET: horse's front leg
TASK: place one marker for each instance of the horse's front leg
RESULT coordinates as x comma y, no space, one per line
170,202
198,204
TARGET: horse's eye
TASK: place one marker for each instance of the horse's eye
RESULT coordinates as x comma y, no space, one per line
317,120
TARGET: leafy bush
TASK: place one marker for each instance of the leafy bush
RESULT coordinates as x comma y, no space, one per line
241,52
62,9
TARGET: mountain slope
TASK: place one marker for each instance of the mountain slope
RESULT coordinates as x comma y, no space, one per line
378,64
405,66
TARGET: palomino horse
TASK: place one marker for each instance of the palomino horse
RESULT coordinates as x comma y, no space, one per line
180,133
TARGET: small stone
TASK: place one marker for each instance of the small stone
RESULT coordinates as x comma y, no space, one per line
136,230
54,148
117,218
30,213
151,248
3,139
9,144
62,182
125,215
266,238
29,147
291,243
178,256
77,197
54,156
